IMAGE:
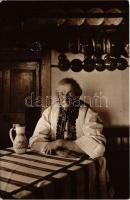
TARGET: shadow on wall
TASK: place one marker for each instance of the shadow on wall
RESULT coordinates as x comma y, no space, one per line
105,116
99,104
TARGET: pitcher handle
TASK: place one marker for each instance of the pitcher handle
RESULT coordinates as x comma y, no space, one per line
10,134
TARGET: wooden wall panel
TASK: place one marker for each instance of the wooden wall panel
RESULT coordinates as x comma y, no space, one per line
6,90
0,90
22,84
46,81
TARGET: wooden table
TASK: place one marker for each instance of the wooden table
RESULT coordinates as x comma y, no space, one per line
32,175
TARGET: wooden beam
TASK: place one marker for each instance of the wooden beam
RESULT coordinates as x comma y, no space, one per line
46,81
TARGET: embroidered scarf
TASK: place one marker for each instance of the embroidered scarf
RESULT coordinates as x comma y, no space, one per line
66,126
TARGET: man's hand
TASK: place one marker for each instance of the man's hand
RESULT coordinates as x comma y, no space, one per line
53,146
71,146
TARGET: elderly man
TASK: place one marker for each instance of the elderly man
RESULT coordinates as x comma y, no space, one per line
69,125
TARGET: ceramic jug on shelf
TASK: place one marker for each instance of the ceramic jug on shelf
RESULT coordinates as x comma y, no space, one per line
20,143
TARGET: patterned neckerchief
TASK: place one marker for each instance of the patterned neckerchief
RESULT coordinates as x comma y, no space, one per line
66,126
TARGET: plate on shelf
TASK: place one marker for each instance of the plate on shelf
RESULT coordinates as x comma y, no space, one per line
76,21
113,21
78,18
95,21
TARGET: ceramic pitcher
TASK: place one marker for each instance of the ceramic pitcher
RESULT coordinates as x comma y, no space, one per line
20,143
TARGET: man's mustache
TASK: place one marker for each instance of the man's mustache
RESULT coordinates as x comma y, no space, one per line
69,99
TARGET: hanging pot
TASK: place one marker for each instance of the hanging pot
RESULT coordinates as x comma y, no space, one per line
123,49
74,45
118,47
88,64
76,65
62,56
64,63
109,62
88,48
126,48
114,47
121,63
99,62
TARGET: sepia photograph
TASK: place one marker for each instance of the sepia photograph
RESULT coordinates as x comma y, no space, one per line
64,99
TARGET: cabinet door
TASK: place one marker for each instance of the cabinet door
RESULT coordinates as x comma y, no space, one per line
18,81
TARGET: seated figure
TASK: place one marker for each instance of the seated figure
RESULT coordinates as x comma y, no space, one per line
69,125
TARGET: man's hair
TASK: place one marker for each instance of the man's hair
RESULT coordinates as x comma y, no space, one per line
75,85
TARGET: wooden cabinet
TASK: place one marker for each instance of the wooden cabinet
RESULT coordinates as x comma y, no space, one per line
18,80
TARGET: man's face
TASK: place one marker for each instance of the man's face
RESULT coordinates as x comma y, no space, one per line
65,94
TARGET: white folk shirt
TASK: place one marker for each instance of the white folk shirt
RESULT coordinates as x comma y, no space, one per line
88,131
